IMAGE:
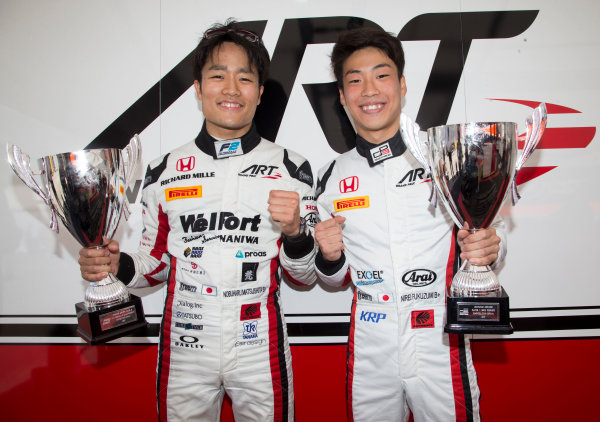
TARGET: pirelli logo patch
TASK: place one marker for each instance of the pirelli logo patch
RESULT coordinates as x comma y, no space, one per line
351,203
183,193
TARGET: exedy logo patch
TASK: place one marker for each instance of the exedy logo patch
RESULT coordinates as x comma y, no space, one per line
422,319
250,311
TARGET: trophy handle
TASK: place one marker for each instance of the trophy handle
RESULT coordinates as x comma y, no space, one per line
410,134
132,153
536,125
19,162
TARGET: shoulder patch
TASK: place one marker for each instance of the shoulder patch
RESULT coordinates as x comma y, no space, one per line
302,173
322,182
153,174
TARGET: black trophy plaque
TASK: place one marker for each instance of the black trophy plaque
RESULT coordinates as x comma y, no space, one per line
478,315
100,326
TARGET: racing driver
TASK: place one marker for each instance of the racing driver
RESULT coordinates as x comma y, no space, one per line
398,252
222,214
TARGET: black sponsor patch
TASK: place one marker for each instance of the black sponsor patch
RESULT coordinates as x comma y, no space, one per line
249,270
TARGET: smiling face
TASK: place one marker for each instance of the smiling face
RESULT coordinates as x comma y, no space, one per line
229,92
372,92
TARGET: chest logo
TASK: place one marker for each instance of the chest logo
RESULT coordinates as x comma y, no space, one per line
351,203
183,193
419,277
349,184
186,164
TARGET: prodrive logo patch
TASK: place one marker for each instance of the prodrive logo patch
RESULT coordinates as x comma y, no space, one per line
183,193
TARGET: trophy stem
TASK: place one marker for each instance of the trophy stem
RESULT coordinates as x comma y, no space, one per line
475,280
105,293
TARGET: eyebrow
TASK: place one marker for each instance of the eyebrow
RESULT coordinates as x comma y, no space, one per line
378,66
217,66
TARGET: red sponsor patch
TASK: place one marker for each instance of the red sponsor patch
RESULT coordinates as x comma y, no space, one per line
422,319
250,311
186,164
349,184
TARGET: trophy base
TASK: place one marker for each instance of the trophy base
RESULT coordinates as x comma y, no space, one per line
478,315
97,327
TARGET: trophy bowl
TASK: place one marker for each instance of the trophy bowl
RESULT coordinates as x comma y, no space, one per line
473,167
86,191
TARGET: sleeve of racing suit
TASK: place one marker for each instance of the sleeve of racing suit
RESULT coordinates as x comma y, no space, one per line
332,273
297,255
500,227
151,264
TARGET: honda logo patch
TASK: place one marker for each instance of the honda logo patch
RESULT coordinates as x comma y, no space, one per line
349,184
186,164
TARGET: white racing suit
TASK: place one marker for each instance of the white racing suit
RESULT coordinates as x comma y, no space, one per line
208,233
400,253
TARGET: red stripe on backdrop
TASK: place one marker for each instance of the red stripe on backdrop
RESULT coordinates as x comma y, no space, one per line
528,173
543,380
550,108
564,137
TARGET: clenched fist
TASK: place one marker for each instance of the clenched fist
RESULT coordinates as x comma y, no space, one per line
284,207
328,235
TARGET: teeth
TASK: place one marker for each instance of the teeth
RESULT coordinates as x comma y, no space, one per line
372,107
230,105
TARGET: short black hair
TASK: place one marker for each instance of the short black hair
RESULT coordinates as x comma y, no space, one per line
230,31
356,39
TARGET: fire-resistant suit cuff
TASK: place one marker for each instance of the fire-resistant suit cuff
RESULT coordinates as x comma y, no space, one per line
126,268
329,267
296,247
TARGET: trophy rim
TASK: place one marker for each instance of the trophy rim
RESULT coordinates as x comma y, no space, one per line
87,150
456,125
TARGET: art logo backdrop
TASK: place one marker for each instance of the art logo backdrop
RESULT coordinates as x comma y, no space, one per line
89,75
77,74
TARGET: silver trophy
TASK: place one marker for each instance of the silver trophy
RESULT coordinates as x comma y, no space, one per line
86,191
474,166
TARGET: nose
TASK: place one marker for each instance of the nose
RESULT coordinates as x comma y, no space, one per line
369,88
231,87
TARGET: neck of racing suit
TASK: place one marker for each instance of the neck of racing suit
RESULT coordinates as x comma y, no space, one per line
207,143
378,153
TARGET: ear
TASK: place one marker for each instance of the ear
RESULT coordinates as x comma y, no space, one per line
402,86
198,90
260,92
342,98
